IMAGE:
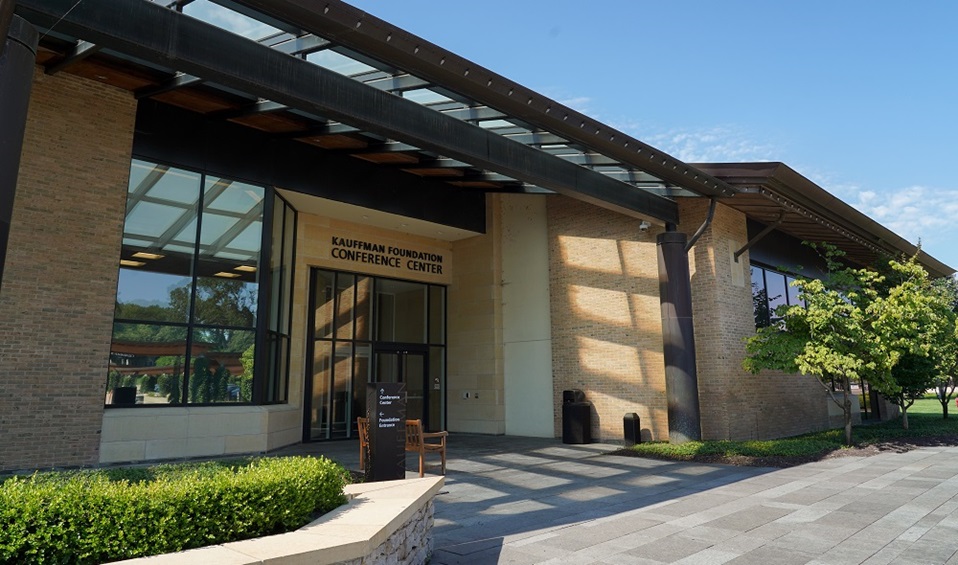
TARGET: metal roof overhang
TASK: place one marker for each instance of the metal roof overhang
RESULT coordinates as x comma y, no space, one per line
364,33
156,35
768,191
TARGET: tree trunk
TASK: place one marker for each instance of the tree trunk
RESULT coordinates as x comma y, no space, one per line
904,417
847,409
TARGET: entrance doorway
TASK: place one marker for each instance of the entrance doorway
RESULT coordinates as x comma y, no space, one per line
407,365
366,330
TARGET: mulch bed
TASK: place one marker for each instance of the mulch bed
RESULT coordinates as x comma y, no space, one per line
901,445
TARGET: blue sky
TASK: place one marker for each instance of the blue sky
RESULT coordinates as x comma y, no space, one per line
858,96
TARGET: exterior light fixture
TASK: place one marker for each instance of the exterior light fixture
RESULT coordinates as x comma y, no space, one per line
145,255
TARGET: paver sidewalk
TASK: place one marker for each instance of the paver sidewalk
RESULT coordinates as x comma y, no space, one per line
527,500
551,503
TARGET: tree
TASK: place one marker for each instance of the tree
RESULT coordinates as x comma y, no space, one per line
829,337
856,324
913,375
246,379
912,324
945,351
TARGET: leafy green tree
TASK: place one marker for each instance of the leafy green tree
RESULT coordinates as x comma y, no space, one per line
170,385
220,305
208,381
913,375
853,326
945,343
912,323
246,379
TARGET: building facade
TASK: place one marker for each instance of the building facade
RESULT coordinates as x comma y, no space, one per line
215,253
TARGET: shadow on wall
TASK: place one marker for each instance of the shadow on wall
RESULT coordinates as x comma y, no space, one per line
606,316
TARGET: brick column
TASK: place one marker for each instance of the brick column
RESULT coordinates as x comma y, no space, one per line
16,77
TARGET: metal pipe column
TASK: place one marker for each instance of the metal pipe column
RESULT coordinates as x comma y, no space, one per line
16,78
681,379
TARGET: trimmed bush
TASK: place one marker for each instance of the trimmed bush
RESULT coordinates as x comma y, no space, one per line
107,515
925,423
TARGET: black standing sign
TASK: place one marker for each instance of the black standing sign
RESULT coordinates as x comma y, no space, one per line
386,407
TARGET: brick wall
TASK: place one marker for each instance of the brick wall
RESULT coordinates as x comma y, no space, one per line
59,285
735,404
606,317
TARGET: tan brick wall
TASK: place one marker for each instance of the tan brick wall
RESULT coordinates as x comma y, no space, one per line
59,285
475,346
735,404
606,317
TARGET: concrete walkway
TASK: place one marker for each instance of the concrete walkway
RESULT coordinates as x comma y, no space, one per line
523,500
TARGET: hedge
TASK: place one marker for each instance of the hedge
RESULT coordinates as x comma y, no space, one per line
108,515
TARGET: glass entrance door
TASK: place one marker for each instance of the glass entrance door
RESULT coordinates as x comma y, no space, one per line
367,329
400,365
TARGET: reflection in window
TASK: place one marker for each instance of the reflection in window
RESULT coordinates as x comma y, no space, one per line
187,295
280,301
400,311
147,364
351,316
770,290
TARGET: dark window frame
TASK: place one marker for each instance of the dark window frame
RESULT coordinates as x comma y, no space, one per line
763,311
261,371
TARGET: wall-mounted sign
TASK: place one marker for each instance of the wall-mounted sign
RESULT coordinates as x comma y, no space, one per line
395,256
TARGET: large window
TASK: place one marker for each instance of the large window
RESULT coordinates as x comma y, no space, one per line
282,253
771,289
189,295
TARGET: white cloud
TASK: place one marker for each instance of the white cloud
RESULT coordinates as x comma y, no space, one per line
578,103
720,144
916,213
229,20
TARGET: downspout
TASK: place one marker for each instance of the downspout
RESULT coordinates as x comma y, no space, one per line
678,332
708,221
6,16
678,340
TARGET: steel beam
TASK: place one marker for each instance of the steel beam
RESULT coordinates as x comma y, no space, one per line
362,32
153,33
17,58
179,81
761,235
81,51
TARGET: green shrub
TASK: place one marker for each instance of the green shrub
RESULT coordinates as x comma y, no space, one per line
107,515
925,422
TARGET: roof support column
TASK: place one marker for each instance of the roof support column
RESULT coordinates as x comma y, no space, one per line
675,296
17,59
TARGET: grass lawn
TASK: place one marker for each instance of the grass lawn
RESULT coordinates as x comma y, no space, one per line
926,426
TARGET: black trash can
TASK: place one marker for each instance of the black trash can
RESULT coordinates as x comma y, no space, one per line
633,429
124,395
576,418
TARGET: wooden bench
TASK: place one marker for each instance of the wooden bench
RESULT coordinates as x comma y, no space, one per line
363,425
417,441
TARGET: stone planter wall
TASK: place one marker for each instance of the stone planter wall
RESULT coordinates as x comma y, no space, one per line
386,523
